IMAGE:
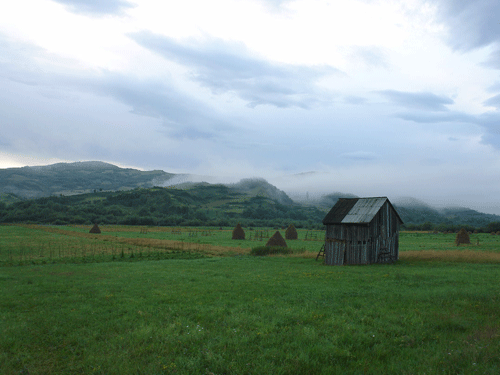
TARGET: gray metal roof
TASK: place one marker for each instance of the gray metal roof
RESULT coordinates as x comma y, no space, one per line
356,210
364,210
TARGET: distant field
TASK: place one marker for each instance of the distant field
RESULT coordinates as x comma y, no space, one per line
206,307
32,244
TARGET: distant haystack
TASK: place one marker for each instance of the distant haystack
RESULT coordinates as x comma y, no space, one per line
462,237
276,240
291,233
95,229
238,233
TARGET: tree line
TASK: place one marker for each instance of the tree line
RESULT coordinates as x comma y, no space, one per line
213,205
207,205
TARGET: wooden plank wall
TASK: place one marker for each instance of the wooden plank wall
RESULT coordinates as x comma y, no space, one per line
334,253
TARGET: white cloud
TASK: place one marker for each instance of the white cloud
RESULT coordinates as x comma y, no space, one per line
96,7
378,97
230,68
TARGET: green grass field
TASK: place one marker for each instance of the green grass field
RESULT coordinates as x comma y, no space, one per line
207,310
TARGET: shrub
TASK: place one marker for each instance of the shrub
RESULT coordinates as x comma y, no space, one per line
269,250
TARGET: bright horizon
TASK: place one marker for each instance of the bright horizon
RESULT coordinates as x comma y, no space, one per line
377,98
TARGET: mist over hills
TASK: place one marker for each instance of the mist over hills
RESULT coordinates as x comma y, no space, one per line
260,187
68,179
86,177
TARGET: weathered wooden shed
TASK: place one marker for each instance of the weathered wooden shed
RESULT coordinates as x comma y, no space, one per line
362,231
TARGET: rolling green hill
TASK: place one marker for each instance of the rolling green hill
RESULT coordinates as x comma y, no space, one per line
75,178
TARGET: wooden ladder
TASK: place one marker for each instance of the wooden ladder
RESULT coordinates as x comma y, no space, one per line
321,252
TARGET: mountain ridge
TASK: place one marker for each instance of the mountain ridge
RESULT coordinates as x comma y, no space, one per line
68,179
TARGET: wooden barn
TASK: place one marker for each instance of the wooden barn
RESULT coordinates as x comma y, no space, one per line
362,231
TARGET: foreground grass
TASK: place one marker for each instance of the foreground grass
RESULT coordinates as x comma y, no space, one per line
247,315
433,312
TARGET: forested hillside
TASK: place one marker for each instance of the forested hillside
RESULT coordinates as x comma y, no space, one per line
210,205
427,218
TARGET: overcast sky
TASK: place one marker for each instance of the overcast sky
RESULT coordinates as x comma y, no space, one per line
374,98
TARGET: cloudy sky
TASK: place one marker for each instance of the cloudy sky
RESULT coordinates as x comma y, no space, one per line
375,98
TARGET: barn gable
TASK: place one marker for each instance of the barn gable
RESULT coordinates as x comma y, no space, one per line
362,231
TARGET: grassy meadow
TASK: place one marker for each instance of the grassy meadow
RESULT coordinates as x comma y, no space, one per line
137,300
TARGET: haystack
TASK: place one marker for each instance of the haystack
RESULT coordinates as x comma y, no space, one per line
276,240
462,237
238,233
95,229
291,233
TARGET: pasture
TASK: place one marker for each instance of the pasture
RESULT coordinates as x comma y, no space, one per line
183,301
